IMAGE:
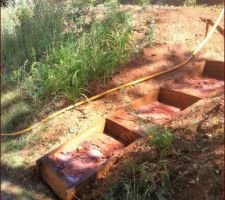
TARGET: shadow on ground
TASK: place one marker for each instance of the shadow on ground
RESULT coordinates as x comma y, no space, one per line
23,183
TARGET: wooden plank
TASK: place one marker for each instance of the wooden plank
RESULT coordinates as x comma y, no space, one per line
46,172
177,99
214,69
149,98
121,131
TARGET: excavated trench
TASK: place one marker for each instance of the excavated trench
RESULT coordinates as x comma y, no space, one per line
76,162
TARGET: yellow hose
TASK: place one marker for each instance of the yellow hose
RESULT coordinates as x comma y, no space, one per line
121,86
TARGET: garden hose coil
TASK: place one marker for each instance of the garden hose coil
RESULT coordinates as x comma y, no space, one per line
199,47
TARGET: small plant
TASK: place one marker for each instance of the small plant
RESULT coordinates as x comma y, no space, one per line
150,34
129,187
162,138
143,2
190,2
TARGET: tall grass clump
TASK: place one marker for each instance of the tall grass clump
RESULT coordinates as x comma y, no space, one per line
96,54
29,31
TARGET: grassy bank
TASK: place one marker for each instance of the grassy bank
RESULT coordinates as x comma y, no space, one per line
52,52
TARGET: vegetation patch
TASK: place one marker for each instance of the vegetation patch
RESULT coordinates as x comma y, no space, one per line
53,51
95,55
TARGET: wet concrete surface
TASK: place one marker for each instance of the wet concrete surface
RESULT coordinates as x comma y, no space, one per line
155,113
201,87
86,159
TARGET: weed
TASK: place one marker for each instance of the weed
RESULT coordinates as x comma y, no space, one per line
9,98
150,34
189,2
178,2
128,188
162,137
143,2
163,140
13,145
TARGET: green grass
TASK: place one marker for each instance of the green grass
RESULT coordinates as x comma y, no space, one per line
9,98
33,30
16,111
50,52
150,35
174,2
190,2
97,54
162,138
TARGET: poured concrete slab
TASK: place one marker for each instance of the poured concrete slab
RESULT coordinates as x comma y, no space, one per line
211,81
201,87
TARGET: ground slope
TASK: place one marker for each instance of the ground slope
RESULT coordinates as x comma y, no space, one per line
178,31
